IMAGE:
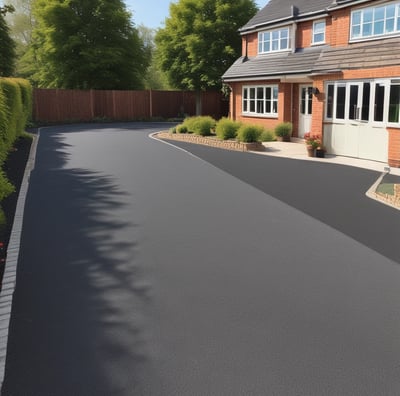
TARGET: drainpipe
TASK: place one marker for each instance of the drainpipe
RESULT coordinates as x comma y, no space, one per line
293,38
291,104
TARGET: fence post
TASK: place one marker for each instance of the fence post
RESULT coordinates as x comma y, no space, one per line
114,105
92,104
151,103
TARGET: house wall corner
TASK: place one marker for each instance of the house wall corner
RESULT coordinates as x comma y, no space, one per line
394,147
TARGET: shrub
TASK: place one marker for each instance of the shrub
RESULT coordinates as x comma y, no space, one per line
267,136
15,110
284,129
227,129
172,130
27,101
181,129
249,133
200,125
13,102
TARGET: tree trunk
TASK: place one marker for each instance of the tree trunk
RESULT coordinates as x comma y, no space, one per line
198,103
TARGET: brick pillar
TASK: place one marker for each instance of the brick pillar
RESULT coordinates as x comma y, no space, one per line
394,147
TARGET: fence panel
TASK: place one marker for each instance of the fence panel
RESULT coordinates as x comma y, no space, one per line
131,105
74,105
59,105
170,104
103,104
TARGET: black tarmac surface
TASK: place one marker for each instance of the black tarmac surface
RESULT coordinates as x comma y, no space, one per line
145,270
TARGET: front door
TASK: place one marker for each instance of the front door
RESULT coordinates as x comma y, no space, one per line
305,113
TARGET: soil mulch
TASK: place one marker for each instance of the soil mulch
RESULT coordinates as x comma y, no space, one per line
14,168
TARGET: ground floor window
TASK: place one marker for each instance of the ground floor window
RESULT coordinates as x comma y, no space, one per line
260,100
370,101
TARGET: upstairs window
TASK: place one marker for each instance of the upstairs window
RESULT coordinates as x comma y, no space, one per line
273,41
319,32
375,21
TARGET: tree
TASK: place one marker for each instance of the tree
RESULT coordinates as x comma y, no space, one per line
21,26
155,78
82,44
200,41
7,46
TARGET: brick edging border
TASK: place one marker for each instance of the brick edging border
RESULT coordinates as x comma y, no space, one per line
211,141
10,270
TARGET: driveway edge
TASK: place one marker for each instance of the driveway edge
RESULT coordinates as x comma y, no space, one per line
10,271
371,193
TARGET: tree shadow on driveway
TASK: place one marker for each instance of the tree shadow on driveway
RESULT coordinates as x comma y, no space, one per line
77,326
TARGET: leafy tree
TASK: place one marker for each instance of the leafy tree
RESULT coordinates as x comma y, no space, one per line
86,44
21,26
155,78
7,45
200,41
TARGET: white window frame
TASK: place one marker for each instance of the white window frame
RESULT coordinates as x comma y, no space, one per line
254,104
317,32
370,17
358,115
274,36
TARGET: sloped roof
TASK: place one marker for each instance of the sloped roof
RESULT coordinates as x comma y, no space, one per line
277,10
317,60
267,66
368,54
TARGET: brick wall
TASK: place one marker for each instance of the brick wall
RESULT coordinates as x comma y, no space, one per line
252,44
212,141
304,34
340,29
394,147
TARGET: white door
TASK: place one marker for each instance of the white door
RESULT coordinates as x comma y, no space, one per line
305,113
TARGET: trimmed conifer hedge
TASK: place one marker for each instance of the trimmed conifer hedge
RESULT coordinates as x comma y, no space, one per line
15,111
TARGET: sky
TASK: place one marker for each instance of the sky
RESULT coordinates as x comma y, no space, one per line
152,13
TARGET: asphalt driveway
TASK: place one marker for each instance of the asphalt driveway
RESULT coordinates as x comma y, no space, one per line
145,270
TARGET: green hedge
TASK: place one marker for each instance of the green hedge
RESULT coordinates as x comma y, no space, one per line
15,111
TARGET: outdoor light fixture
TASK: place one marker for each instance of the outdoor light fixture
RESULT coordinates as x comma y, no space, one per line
315,91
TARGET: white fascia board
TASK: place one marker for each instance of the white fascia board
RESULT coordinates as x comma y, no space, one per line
340,6
302,77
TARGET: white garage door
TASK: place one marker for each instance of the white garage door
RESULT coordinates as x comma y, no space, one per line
357,140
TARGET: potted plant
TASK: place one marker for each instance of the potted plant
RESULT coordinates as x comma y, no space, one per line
283,131
312,143
320,151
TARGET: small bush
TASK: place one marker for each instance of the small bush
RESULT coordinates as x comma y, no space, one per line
172,130
284,129
249,133
181,129
267,136
227,129
200,125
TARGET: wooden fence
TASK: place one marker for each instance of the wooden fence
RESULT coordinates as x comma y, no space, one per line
60,105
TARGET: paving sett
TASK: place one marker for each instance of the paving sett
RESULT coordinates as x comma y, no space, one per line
154,272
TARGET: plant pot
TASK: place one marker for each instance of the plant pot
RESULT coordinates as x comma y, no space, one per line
310,151
285,138
320,153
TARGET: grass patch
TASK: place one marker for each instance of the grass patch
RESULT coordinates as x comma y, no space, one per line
385,188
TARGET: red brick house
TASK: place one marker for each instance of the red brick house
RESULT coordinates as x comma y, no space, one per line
329,67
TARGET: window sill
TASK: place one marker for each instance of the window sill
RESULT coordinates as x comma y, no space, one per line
373,38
